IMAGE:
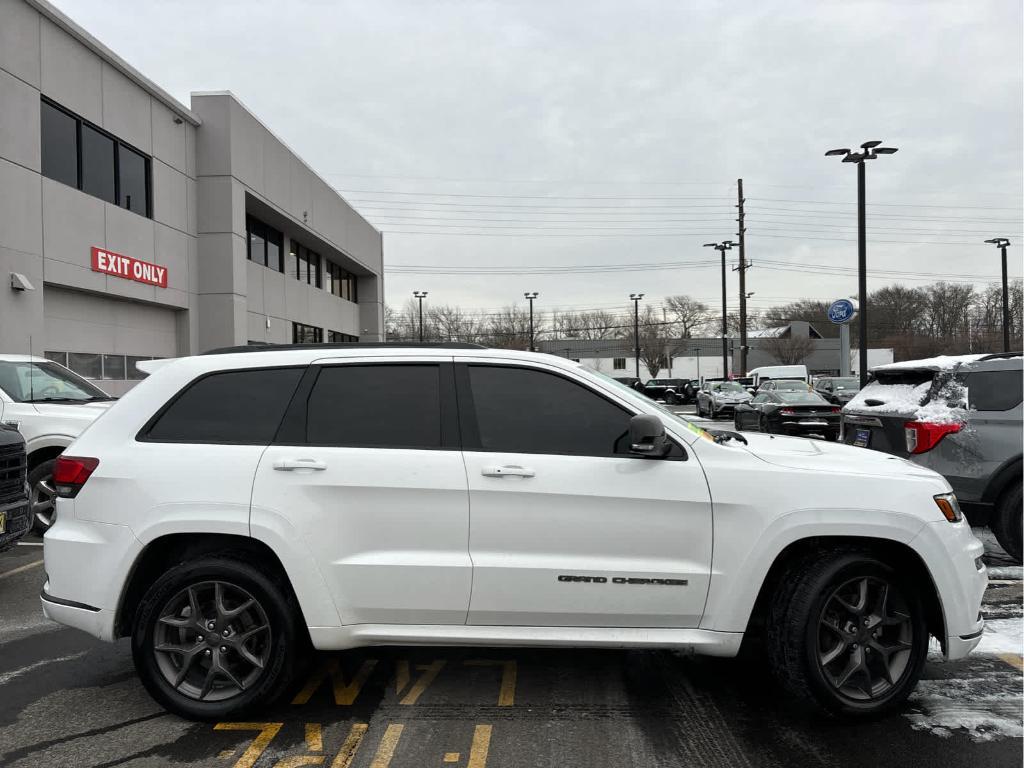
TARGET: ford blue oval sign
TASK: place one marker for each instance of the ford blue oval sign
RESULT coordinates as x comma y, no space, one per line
841,311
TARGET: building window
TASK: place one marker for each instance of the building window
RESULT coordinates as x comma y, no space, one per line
618,363
97,365
306,264
339,282
77,153
337,337
306,334
265,244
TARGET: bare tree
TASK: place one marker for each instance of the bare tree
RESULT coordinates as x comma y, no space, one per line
687,313
789,350
510,328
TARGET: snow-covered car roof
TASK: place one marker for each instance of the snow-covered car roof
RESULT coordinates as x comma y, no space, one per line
940,363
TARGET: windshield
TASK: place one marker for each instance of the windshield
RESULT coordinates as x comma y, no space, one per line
790,386
850,385
46,382
727,386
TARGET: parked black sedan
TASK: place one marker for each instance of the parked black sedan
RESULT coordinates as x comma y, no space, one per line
838,390
787,412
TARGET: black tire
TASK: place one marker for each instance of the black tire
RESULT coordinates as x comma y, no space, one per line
794,626
1006,521
833,436
40,483
671,399
762,423
278,647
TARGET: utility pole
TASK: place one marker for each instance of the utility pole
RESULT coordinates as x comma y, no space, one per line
869,151
722,247
742,269
530,296
635,298
421,295
1002,244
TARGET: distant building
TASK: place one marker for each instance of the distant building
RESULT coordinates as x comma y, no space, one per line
798,343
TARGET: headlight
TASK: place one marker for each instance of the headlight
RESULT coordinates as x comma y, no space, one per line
950,507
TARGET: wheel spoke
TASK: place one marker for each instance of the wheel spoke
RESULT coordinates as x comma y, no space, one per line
851,668
186,665
175,621
249,656
835,653
251,633
211,676
223,670
193,603
44,505
46,487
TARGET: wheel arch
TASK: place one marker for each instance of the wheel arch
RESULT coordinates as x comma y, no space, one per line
174,548
1002,478
37,454
894,553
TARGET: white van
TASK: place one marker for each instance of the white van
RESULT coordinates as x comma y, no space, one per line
766,372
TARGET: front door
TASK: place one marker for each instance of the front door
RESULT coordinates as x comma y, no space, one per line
370,477
567,528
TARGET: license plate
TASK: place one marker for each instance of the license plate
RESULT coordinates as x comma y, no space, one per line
3,522
862,438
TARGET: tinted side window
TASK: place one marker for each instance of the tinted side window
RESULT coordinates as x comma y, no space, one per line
243,407
98,164
59,145
994,390
376,406
527,411
134,187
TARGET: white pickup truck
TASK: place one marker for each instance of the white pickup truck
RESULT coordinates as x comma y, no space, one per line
51,406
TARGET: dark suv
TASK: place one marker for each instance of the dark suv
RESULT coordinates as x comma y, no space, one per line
14,517
958,416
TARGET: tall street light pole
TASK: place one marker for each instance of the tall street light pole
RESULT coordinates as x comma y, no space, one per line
421,295
635,298
1002,244
722,247
530,296
869,150
742,269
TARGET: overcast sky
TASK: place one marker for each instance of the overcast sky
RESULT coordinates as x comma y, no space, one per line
567,134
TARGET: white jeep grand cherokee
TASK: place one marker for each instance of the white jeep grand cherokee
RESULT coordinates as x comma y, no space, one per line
235,506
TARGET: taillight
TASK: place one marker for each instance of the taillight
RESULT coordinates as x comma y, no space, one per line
835,409
70,474
922,436
787,412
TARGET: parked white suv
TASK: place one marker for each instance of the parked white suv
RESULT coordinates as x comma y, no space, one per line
234,506
50,405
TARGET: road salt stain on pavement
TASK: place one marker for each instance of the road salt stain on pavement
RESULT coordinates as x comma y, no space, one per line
987,704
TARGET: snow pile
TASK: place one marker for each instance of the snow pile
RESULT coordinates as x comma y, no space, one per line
891,398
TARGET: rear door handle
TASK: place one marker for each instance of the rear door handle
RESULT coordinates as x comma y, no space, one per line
507,469
289,465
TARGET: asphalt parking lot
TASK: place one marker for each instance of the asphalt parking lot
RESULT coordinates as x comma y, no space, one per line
68,700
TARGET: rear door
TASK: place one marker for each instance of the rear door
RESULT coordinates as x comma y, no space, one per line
367,471
568,528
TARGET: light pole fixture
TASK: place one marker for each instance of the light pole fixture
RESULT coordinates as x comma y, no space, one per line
421,295
635,298
530,296
1002,244
722,247
869,150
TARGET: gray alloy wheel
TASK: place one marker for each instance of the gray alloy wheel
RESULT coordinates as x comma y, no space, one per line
42,496
212,641
865,636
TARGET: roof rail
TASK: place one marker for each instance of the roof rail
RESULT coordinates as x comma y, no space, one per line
1000,355
344,345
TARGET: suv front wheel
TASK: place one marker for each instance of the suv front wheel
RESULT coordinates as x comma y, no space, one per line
214,638
848,632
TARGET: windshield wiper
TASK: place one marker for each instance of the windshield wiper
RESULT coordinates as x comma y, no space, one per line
58,400
99,398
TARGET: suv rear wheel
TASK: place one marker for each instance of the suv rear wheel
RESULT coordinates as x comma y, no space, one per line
1006,522
214,638
42,496
848,632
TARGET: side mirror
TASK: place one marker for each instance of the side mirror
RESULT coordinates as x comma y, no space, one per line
647,436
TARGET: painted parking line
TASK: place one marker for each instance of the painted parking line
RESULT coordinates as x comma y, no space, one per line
30,543
21,569
1015,660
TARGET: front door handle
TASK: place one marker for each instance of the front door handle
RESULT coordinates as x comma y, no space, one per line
507,469
289,465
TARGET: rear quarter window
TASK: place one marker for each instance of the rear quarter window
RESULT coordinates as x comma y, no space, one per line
231,407
994,390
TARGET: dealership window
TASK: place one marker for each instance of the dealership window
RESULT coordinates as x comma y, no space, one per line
306,334
305,264
81,155
339,282
337,337
265,244
618,363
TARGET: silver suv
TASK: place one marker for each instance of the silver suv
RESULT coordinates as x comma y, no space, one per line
960,416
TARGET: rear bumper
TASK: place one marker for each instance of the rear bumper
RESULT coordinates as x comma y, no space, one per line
97,622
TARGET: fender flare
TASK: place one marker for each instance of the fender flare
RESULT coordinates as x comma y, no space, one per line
1010,470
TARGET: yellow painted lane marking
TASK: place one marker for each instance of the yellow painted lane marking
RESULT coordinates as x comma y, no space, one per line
509,674
430,671
21,569
451,757
348,750
1013,659
299,761
387,747
267,732
314,737
480,747
344,693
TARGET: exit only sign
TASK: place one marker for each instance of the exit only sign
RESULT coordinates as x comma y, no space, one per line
129,268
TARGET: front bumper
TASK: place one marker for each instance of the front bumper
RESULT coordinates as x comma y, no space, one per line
953,556
17,523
